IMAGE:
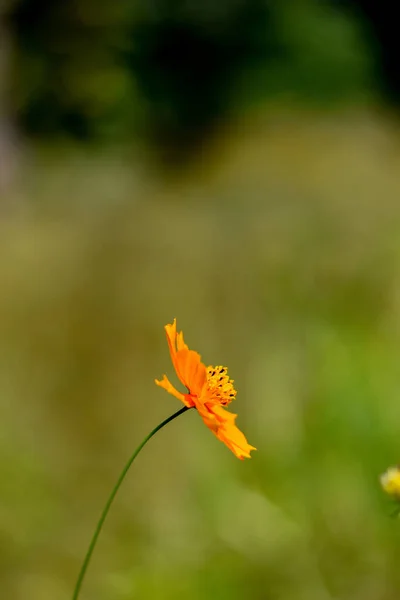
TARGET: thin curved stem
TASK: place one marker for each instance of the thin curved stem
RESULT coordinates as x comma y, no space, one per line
114,491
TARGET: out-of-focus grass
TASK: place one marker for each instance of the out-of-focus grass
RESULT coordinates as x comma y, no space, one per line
281,259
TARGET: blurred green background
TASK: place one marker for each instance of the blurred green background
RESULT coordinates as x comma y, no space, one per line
234,164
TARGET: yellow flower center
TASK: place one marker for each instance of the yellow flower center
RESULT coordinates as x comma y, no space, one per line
220,386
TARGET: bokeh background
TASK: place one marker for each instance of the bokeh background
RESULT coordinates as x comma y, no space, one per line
234,164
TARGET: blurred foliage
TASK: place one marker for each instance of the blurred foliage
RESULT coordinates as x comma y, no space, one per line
379,23
281,260
173,71
279,255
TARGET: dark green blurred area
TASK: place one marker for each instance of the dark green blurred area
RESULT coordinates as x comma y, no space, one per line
171,72
269,226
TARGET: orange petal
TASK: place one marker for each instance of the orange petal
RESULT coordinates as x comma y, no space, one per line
171,339
167,385
207,415
192,371
222,424
180,343
235,440
175,342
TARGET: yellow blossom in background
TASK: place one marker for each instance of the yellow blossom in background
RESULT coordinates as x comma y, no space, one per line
390,481
209,390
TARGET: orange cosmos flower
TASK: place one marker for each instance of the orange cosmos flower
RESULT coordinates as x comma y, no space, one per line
209,389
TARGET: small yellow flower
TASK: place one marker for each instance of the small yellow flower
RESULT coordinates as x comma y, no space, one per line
390,482
209,390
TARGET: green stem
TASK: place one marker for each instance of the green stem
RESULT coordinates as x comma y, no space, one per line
114,491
